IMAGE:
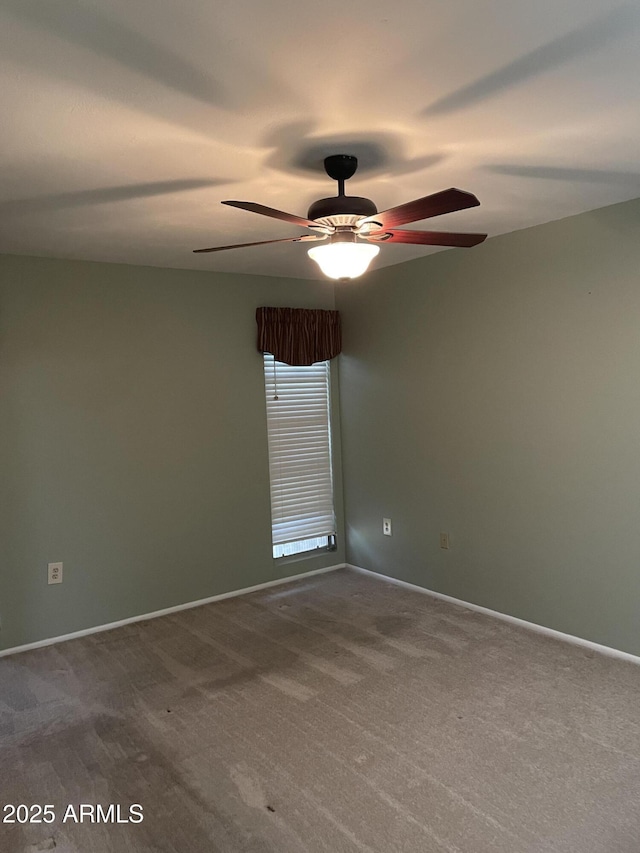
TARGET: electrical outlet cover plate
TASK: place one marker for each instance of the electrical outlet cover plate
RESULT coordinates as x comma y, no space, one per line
444,540
55,572
386,526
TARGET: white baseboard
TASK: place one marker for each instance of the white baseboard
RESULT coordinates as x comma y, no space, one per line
514,620
167,610
505,617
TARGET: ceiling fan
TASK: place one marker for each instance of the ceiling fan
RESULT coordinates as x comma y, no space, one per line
353,226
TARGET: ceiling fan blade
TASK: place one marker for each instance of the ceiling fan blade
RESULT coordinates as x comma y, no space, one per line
273,213
305,238
427,238
423,208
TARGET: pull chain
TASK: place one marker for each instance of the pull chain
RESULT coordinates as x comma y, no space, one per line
275,379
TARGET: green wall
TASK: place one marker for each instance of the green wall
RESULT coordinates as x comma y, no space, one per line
494,394
133,440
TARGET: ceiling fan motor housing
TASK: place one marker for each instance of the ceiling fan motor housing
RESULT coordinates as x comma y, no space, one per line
349,208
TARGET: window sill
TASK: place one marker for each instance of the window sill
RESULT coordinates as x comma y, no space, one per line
320,553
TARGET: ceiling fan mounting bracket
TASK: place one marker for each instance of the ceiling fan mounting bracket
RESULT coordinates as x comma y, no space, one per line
367,228
340,167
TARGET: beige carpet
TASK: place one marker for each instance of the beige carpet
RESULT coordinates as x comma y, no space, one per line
339,713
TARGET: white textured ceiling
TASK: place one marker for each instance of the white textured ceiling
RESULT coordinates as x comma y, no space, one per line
125,124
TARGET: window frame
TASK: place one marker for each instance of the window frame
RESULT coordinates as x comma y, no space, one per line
278,379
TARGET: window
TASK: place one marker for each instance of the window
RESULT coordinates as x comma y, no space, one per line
299,432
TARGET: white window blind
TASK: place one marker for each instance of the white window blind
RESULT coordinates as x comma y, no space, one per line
299,432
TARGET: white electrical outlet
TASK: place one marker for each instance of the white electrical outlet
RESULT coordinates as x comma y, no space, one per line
55,572
444,540
386,526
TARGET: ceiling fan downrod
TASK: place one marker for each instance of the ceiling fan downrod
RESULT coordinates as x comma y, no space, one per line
341,167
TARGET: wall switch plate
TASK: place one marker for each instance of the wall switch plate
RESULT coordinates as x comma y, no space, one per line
444,540
386,526
55,572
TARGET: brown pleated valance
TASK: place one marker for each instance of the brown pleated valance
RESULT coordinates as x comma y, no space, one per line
299,335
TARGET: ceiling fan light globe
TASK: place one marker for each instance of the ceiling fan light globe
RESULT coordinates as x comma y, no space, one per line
343,260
